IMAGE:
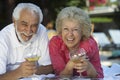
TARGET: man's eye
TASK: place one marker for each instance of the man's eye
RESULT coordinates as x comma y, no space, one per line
36,25
24,24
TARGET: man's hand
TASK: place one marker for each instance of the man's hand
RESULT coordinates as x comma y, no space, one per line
26,69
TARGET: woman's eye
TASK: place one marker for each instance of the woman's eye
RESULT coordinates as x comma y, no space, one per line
65,29
75,29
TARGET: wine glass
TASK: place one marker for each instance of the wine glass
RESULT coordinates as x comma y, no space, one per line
32,54
75,56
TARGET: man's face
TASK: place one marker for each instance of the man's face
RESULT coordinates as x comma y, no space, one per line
27,25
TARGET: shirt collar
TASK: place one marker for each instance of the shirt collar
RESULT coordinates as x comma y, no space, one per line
63,46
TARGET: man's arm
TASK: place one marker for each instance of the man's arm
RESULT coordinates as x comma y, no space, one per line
26,69
45,69
12,75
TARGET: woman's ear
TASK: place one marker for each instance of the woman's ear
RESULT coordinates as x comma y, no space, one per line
92,28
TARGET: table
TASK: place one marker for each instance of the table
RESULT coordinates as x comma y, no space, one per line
53,77
73,78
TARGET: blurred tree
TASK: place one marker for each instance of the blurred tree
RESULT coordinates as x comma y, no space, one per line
50,8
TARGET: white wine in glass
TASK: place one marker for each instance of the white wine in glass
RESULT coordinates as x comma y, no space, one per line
33,58
75,56
32,54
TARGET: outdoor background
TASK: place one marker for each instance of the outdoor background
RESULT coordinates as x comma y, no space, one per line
102,18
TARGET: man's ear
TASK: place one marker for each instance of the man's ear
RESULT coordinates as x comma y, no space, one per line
14,21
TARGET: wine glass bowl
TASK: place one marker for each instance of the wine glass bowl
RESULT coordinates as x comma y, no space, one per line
32,54
75,58
33,58
76,55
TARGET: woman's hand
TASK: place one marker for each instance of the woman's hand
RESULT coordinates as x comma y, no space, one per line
68,70
82,65
85,65
70,65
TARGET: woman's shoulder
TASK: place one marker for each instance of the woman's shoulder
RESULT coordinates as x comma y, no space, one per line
90,42
55,41
90,46
56,38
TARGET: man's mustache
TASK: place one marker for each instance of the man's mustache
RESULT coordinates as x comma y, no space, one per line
27,34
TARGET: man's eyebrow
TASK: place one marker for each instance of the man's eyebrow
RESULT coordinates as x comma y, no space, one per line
24,22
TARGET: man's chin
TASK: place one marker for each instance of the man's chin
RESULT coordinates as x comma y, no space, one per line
29,40
26,41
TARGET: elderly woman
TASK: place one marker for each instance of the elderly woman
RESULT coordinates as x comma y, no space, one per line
74,32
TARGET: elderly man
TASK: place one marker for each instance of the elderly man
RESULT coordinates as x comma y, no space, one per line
25,31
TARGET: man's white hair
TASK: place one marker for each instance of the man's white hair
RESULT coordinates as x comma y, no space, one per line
32,7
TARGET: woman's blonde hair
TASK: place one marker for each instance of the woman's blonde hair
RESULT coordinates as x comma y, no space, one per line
74,13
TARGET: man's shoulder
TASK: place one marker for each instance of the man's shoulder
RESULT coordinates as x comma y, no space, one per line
42,27
8,28
7,33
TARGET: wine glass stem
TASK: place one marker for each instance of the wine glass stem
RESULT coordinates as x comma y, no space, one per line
80,74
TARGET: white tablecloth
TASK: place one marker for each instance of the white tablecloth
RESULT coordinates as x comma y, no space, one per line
109,73
39,77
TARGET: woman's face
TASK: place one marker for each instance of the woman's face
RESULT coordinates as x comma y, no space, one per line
71,33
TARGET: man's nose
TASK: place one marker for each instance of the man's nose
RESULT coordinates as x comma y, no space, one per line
28,30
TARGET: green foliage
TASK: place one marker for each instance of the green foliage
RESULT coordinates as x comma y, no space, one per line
101,19
65,3
73,3
55,6
79,3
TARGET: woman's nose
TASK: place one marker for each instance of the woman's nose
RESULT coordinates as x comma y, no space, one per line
70,32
